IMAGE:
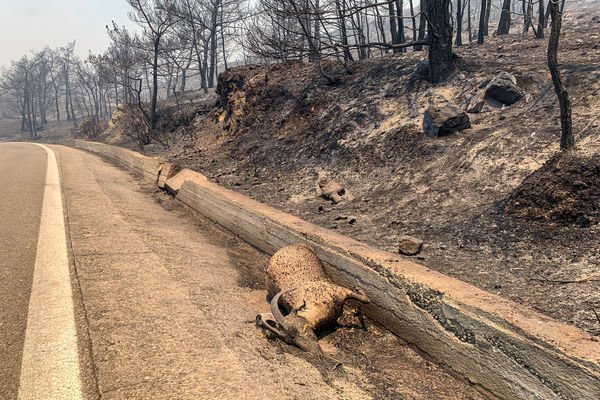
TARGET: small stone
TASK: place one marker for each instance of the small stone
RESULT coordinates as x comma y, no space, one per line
351,220
476,103
332,191
410,246
484,83
444,120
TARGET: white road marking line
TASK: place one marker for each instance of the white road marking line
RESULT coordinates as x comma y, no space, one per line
50,363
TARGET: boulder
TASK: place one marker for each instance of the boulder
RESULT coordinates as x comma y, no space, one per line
444,120
410,246
332,190
503,88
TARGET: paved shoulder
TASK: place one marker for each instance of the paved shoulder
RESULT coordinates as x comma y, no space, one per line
167,318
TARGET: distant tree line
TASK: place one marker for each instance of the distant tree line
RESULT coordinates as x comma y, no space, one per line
54,83
182,41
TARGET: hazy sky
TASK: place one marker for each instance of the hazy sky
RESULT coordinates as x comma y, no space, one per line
30,24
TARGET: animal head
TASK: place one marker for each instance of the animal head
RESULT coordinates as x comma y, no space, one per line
293,328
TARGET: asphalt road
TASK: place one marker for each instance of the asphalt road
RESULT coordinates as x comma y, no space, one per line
163,302
23,171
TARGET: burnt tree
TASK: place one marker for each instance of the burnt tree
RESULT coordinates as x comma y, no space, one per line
539,32
567,139
459,18
504,24
422,24
483,21
439,28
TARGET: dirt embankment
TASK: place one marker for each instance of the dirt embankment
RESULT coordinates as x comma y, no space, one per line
496,204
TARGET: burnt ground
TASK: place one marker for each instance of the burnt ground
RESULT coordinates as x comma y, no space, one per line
497,205
358,351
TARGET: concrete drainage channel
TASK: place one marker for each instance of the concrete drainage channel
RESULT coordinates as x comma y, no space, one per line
507,349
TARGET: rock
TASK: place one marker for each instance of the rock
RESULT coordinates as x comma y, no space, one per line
444,120
410,246
476,103
491,103
484,83
332,191
351,220
504,89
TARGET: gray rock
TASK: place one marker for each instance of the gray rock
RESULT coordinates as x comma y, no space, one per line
410,246
476,103
503,88
332,191
444,120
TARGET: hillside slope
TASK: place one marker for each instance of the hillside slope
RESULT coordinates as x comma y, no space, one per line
496,205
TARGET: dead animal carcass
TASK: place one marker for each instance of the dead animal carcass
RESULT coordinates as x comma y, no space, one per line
296,281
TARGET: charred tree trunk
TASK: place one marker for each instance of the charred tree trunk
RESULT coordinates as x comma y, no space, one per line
73,116
459,18
213,45
547,15
469,28
56,102
422,24
504,24
539,33
529,16
482,13
440,40
380,29
487,18
153,101
400,15
344,31
414,20
393,27
567,139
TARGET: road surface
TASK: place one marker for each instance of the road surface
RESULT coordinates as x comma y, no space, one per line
113,290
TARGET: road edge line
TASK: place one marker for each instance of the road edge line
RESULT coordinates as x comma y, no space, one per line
50,362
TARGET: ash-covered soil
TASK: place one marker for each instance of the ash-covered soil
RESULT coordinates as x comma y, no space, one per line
497,205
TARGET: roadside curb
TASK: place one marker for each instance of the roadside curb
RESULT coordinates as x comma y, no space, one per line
505,348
